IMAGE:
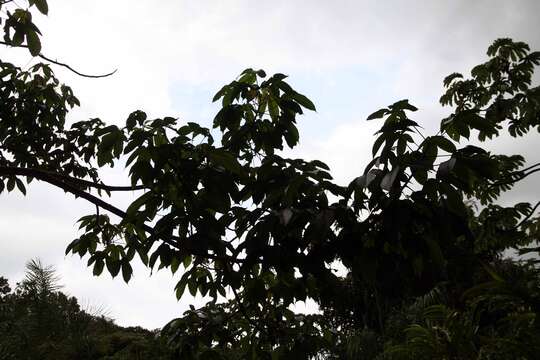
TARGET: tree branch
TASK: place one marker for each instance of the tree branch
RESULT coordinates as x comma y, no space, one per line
511,181
6,170
528,216
51,179
62,64
530,167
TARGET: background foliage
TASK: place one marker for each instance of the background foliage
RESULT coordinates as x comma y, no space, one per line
38,321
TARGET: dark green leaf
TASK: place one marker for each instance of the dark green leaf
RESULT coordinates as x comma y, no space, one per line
34,44
378,114
42,6
303,100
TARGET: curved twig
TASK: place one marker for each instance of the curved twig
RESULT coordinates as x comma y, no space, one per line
61,63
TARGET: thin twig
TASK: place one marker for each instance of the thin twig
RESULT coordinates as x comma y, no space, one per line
530,167
243,310
75,71
528,216
419,133
61,63
511,181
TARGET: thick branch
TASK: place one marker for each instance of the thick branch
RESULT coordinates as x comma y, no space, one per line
5,170
101,186
61,64
51,179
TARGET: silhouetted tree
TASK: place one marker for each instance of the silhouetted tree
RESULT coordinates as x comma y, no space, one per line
425,277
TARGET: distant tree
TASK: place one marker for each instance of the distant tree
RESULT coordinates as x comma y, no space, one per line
4,286
40,279
420,232
37,321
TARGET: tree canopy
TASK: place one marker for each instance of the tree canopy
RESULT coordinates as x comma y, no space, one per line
420,231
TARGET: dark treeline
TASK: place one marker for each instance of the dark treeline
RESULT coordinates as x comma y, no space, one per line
39,321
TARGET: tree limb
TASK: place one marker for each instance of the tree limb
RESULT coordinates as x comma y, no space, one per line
173,241
6,170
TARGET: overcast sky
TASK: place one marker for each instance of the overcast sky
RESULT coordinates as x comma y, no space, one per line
350,57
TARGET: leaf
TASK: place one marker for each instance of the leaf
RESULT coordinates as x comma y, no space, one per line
320,164
446,167
371,175
360,181
136,117
127,271
291,136
220,93
225,159
303,100
192,286
34,44
18,38
273,108
108,129
248,77
378,114
278,77
403,105
285,216
42,6
187,261
143,256
98,267
20,186
378,143
388,179
450,78
71,246
443,143
175,264
108,141
113,266
11,184
180,288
